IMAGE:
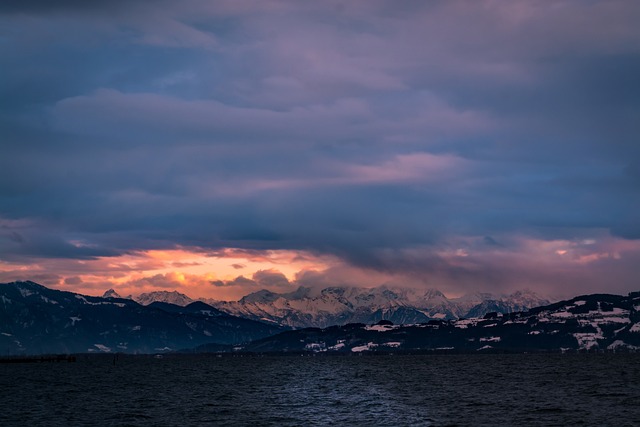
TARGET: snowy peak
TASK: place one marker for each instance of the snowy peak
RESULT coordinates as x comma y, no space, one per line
525,298
475,298
173,297
111,294
263,296
433,294
336,305
37,320
598,323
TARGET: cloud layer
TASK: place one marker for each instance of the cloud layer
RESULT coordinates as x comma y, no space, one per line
451,143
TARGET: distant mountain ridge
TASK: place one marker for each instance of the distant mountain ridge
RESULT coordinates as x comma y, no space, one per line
598,322
111,294
36,320
147,298
306,307
171,297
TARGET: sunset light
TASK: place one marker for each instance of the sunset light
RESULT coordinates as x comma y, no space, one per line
208,208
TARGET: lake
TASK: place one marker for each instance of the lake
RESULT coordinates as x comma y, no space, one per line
411,390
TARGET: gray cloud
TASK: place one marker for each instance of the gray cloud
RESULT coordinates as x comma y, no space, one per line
44,6
362,130
270,279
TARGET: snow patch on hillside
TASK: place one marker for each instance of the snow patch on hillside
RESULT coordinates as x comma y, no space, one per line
103,348
365,347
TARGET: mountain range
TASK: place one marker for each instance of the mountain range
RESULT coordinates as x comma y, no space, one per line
308,307
585,323
36,320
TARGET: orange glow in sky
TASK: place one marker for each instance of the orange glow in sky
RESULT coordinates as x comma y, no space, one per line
230,274
188,271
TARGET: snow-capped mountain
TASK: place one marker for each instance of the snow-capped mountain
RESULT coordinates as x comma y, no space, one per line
173,297
169,297
307,307
483,303
110,293
35,320
597,322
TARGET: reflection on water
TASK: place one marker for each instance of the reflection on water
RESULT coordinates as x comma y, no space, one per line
282,391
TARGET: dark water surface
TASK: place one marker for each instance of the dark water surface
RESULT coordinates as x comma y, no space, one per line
464,390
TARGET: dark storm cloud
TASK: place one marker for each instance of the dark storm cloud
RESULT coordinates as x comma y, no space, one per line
362,130
47,6
73,280
270,278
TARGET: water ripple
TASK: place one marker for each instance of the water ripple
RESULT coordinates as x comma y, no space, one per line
462,390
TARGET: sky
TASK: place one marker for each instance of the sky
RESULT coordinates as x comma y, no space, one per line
222,147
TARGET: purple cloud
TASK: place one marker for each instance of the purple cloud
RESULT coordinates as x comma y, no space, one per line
382,134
